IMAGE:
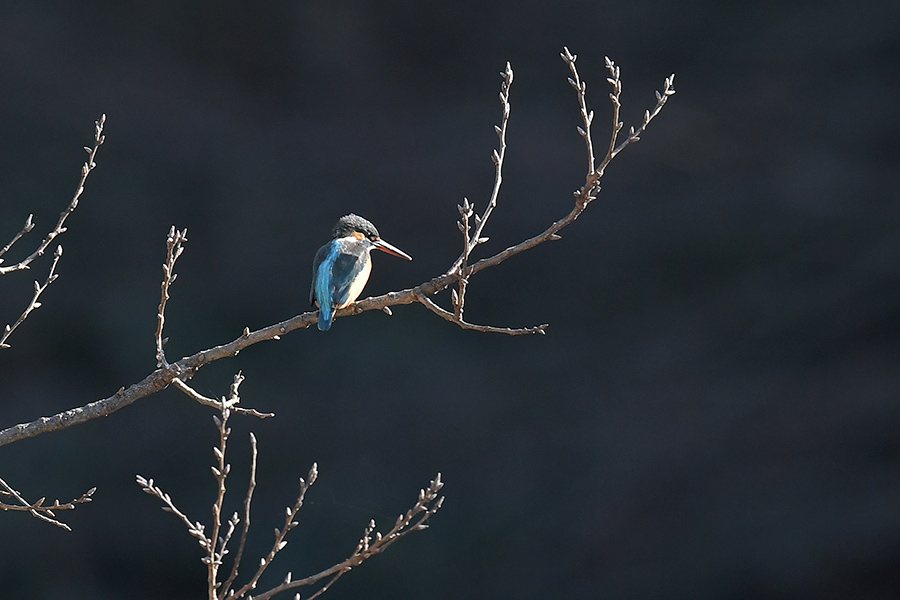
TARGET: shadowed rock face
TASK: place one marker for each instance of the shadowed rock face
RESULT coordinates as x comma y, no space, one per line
712,413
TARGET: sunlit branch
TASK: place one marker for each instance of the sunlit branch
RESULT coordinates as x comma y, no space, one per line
187,367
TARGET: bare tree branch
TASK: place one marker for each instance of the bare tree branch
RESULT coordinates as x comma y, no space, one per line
428,503
174,247
215,545
60,228
38,509
188,366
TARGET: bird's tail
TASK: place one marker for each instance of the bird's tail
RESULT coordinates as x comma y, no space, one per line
326,316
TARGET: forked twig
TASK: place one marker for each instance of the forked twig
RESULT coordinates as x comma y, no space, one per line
86,169
38,509
467,210
207,401
460,269
634,135
33,304
60,228
471,239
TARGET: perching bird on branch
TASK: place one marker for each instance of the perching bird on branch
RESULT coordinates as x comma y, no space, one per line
342,266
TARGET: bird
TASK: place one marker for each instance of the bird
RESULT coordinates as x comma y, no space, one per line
341,267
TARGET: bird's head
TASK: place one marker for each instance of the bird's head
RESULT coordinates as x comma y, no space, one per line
355,226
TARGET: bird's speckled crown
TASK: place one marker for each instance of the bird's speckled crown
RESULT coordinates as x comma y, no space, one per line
348,224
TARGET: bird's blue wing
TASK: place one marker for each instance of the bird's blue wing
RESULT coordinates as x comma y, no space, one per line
321,255
323,287
336,267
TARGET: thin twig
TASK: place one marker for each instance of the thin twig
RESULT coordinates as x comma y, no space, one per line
34,304
226,586
39,509
497,157
430,305
29,225
174,247
197,529
214,559
466,212
86,169
586,116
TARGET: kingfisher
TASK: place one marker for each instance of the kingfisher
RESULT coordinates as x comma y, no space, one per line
342,266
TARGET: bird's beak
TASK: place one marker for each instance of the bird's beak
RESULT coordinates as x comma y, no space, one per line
385,247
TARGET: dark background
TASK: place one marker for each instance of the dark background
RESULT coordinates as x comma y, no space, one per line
713,413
